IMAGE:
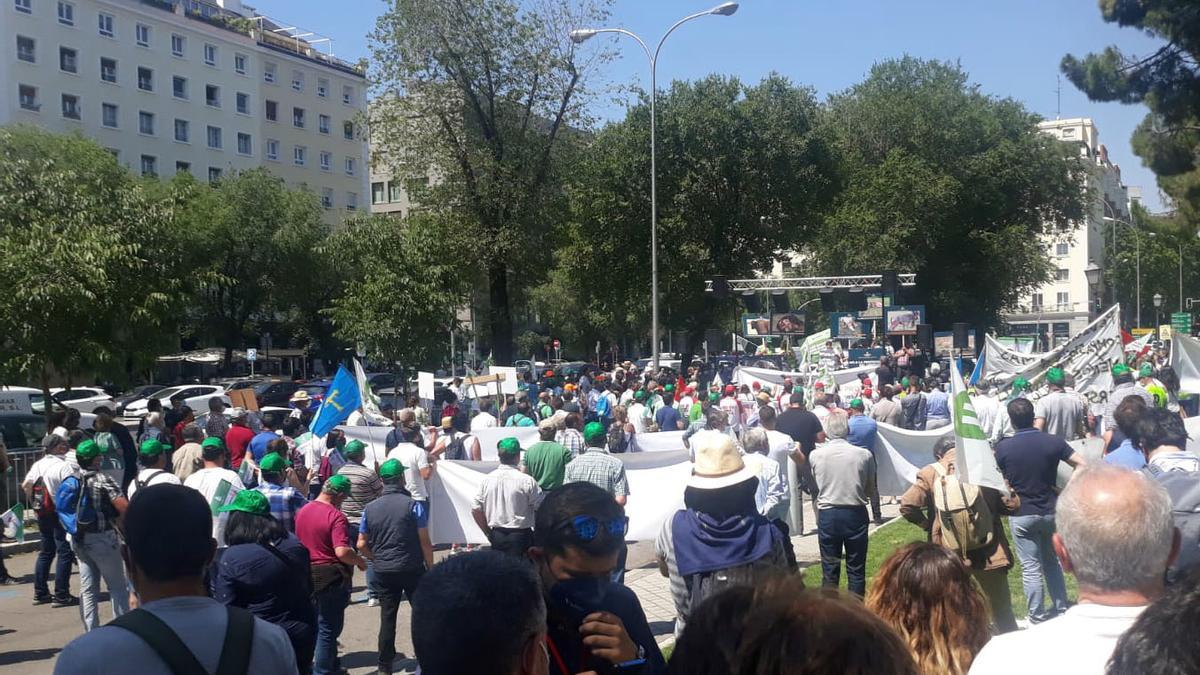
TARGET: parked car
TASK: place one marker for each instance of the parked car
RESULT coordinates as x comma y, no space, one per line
134,394
246,383
275,413
195,396
275,392
83,399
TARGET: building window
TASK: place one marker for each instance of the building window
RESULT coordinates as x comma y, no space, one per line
142,31
68,60
106,24
269,73
145,123
395,191
297,80
116,154
326,161
376,193
272,111
323,123
183,167
23,6
1064,300
212,95
70,106
272,149
1062,274
108,70
351,201
298,117
1036,301
243,103
183,131
179,87
145,79
214,174
28,96
327,198
351,165
66,13
178,44
214,137
149,165
26,50
348,130
322,87
1062,249
239,64
108,115
210,54
244,145
298,155
348,95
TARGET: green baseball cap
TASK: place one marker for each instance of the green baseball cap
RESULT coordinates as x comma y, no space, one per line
857,404
669,387
1146,370
391,469
713,397
151,447
594,431
904,382
212,442
355,447
1056,376
249,501
337,484
639,395
1121,369
87,450
1020,384
273,463
508,446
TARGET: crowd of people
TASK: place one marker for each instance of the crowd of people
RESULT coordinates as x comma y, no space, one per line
232,545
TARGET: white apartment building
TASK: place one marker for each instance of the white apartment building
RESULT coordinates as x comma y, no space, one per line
189,85
1064,306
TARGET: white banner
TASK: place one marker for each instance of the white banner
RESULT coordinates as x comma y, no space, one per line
900,454
765,377
1185,359
425,385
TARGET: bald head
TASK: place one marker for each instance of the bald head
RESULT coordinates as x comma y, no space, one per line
1115,526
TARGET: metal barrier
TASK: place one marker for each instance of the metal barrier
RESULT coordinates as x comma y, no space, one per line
20,461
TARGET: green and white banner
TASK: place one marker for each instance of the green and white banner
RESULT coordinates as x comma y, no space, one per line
976,464
14,523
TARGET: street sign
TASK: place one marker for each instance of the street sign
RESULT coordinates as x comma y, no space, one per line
1181,322
557,344
251,355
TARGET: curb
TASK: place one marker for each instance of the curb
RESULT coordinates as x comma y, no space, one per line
31,543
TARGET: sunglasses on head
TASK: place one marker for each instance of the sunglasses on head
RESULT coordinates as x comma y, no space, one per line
587,527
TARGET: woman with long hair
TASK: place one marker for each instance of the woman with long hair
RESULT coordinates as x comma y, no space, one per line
266,571
926,593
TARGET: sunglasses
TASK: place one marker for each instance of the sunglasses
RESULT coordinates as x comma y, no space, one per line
587,527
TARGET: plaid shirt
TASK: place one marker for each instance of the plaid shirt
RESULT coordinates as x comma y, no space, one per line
104,490
285,501
216,425
598,467
570,439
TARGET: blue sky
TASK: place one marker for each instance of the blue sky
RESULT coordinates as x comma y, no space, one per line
1009,47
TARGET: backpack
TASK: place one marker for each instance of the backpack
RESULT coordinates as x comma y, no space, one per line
457,448
618,442
178,657
1184,490
43,501
143,483
73,502
603,409
967,520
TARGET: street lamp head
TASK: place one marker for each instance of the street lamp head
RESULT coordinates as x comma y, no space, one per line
724,9
1157,299
1092,272
582,34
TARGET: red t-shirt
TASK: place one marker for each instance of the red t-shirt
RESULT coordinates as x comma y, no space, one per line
322,529
237,438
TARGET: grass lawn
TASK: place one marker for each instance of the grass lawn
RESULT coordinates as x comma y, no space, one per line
895,535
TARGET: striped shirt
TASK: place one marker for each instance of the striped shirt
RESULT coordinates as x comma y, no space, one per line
570,439
285,501
598,467
365,486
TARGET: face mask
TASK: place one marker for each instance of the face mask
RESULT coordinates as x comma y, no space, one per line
577,598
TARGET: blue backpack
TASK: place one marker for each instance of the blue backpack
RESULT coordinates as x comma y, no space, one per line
73,503
602,408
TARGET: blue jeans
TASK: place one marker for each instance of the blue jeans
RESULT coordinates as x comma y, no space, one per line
54,545
1031,536
331,617
843,528
99,556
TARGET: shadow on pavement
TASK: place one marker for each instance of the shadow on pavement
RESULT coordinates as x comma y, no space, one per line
24,655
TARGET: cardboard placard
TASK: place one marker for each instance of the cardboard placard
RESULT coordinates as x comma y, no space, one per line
244,399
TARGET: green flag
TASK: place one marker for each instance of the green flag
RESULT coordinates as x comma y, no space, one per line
14,523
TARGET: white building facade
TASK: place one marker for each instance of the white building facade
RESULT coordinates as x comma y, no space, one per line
1065,305
188,85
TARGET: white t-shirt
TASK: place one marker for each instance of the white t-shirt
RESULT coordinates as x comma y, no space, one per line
51,469
207,482
1079,642
414,459
150,477
779,448
483,421
199,623
637,417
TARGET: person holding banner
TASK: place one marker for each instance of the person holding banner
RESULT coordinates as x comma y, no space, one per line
1059,413
218,485
505,504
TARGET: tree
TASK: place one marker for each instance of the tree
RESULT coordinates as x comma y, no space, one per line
80,241
399,292
477,100
1162,240
945,181
1167,81
742,176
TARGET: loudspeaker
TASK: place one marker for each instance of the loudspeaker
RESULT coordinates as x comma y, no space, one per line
720,287
751,301
961,337
828,302
890,283
779,302
925,337
856,299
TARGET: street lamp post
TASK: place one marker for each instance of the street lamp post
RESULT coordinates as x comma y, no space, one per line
1158,298
1093,273
581,34
1137,238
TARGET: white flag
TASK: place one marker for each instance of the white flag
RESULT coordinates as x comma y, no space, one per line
975,462
370,402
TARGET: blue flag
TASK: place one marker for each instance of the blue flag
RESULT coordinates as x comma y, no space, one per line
341,399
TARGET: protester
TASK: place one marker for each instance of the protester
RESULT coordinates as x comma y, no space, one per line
1123,385
216,424
989,563
505,504
886,409
40,486
1127,453
216,484
805,429
394,536
596,466
455,443
418,468
152,457
95,541
844,473
186,416
1116,536
284,501
593,624
167,549
779,628
863,431
915,405
257,447
480,612
925,593
523,417
772,497
1059,413
238,437
1163,438
1163,639
547,460
153,427
189,457
570,434
987,408
1029,461
719,538
484,419
266,570
937,403
621,432
325,532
